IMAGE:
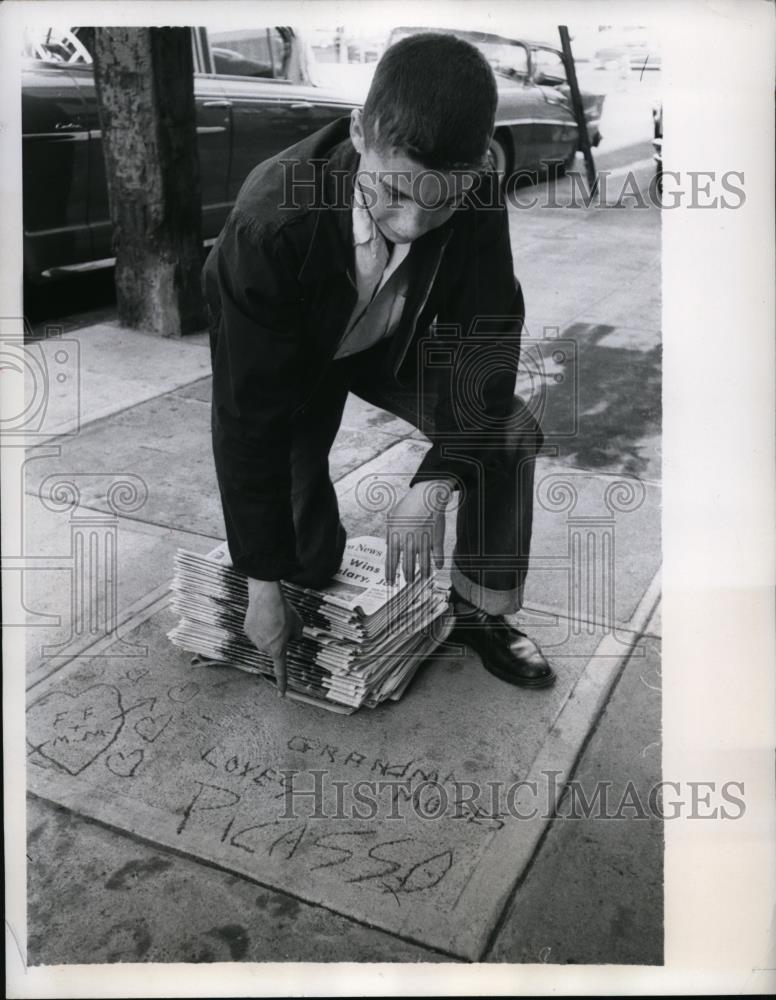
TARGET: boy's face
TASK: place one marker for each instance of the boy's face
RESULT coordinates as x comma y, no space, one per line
405,199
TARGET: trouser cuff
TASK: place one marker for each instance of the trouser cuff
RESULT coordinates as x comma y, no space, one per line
492,602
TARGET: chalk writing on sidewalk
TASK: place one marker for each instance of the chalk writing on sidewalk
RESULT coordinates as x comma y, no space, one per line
78,727
233,794
414,781
395,865
72,730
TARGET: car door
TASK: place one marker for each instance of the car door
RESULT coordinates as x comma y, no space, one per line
273,103
214,139
556,127
55,169
97,210
213,146
517,97
515,113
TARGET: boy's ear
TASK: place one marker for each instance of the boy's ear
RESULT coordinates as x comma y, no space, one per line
357,131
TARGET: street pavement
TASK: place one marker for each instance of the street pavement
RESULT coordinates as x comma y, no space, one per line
106,886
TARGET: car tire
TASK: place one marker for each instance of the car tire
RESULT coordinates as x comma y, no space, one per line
555,169
569,162
499,159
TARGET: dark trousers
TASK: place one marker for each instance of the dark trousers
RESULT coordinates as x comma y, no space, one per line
494,506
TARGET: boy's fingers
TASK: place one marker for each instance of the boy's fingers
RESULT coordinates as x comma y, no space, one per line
295,631
408,558
392,553
439,539
425,555
279,662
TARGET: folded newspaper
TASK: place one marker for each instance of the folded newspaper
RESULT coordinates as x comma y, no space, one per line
362,639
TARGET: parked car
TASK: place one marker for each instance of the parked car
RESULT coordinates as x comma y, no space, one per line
535,125
255,95
657,142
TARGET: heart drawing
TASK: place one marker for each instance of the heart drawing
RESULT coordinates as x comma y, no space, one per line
72,730
134,674
124,765
150,727
183,692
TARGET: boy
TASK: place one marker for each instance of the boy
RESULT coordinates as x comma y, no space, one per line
343,260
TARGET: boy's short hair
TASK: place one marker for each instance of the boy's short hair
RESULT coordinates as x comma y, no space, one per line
433,97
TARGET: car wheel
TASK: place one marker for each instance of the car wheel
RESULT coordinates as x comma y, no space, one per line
555,169
498,159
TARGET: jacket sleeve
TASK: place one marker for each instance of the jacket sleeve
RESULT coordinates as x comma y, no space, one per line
255,327
482,305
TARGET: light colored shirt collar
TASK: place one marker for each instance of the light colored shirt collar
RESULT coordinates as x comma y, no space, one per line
364,230
364,227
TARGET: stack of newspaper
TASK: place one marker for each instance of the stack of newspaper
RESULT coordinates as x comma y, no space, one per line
362,639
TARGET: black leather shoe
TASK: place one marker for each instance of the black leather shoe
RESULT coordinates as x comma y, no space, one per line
505,652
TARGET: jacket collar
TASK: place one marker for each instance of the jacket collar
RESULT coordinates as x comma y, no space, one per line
331,244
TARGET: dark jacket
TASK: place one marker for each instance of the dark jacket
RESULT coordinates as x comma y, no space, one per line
279,290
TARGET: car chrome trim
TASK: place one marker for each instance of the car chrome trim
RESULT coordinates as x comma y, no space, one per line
285,100
273,81
536,121
96,133
90,265
62,270
60,136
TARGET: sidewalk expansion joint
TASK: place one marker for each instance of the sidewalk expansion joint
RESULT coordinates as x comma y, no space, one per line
139,611
90,505
92,421
214,866
643,614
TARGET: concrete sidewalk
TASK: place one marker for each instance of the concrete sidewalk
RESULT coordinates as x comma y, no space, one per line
131,467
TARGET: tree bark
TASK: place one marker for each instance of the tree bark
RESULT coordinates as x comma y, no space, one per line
144,78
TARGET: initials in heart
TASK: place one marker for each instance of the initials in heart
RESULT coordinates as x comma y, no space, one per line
72,730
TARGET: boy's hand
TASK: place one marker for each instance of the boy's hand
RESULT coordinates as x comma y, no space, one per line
270,622
415,530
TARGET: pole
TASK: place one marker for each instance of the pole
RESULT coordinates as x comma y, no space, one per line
576,104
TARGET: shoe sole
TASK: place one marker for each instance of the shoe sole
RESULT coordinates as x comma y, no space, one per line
527,682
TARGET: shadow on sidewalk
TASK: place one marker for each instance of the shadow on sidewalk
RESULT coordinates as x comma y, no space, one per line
618,410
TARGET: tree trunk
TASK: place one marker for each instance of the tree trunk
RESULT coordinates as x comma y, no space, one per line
144,79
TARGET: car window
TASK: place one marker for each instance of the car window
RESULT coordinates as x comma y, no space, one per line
263,53
550,63
510,60
507,58
74,46
59,45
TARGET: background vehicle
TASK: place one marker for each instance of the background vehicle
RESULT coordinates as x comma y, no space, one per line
657,142
254,95
535,124
257,91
